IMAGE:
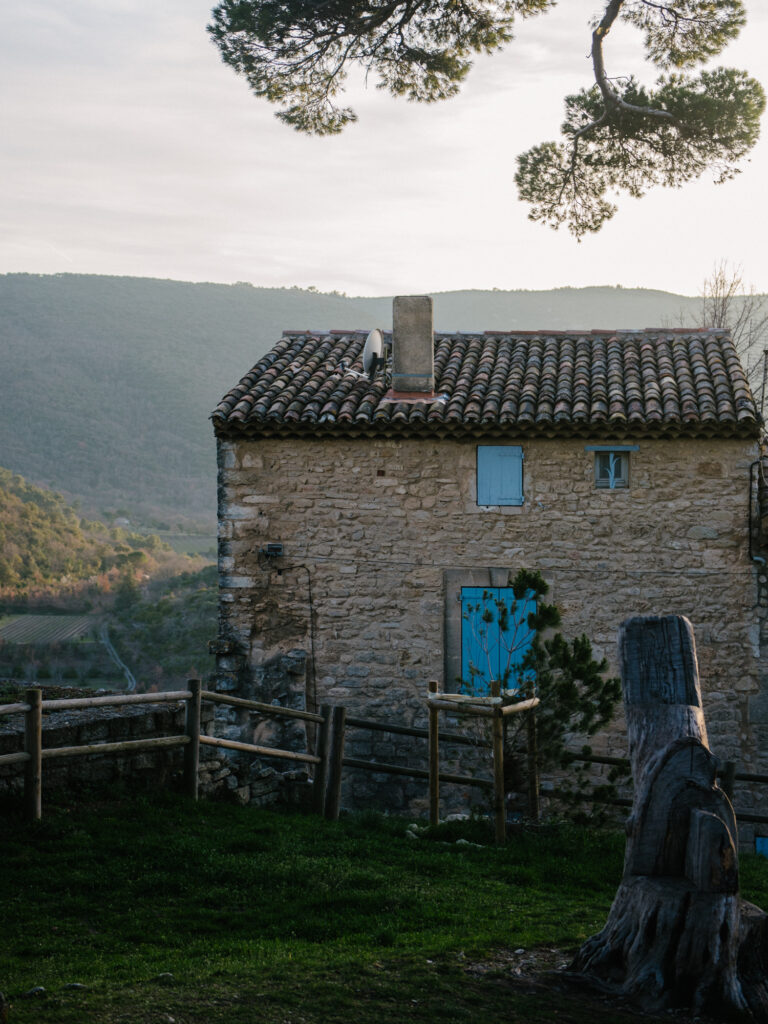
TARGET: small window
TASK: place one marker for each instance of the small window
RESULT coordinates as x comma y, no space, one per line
611,469
499,475
611,464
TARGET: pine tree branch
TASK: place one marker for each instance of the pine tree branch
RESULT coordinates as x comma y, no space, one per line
611,98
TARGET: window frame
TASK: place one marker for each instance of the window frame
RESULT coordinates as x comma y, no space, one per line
620,482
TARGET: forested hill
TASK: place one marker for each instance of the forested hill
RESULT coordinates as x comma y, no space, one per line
46,548
107,382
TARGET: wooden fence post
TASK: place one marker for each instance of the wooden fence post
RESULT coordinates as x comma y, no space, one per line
335,763
33,745
323,751
434,759
727,779
497,729
534,805
192,749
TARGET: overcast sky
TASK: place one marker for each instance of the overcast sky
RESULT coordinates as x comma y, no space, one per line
126,147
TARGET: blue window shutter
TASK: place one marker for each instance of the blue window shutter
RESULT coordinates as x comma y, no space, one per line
487,652
499,475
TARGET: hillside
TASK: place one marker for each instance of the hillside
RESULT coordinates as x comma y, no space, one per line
160,605
108,382
49,553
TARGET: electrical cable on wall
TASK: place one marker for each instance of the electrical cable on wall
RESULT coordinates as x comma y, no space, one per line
311,631
264,559
755,531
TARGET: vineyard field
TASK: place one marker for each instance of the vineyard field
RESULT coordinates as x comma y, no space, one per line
47,629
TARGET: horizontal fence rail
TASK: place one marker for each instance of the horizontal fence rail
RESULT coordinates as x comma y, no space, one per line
252,748
73,703
16,758
619,762
415,773
13,709
414,730
255,705
119,747
749,777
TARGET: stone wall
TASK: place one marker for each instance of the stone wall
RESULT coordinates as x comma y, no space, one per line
387,531
241,780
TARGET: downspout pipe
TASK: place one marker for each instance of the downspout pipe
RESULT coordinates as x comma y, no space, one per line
752,556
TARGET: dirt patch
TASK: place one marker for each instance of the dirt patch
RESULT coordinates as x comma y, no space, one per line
520,963
544,970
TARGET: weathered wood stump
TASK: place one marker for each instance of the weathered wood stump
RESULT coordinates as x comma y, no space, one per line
677,935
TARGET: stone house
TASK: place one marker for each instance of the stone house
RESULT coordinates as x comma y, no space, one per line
357,516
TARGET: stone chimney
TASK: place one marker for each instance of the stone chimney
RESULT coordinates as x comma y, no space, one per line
413,352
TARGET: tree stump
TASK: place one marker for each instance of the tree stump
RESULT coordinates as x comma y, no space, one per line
677,935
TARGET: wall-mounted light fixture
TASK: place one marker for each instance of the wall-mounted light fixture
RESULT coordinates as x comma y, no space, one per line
272,551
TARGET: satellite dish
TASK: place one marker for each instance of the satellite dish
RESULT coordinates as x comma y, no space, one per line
372,350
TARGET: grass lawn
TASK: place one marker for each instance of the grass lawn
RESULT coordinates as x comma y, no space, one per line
169,911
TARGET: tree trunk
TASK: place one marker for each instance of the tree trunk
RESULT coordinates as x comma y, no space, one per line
677,935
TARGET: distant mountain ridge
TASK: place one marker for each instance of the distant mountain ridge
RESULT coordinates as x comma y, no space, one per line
107,383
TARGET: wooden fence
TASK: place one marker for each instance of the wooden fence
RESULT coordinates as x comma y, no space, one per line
328,761
34,754
727,773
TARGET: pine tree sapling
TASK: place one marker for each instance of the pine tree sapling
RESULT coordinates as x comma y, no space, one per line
577,698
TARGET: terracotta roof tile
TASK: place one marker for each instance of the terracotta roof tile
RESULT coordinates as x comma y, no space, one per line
602,383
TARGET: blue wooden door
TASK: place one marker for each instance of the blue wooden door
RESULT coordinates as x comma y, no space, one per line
495,637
